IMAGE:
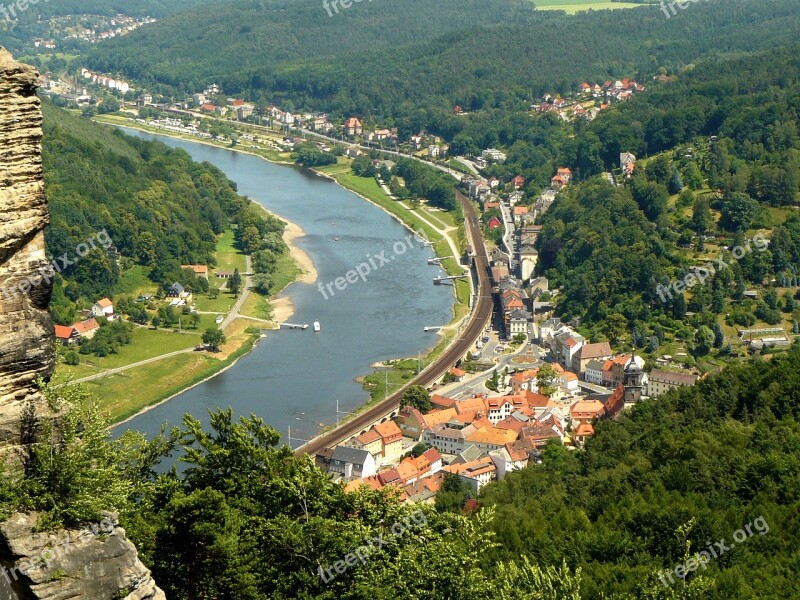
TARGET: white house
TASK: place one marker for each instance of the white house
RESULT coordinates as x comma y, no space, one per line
103,308
594,371
352,463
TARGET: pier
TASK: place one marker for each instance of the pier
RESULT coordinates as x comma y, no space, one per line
293,325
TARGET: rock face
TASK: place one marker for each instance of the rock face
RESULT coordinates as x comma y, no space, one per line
99,563
96,563
26,330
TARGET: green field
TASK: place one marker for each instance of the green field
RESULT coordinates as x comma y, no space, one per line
574,6
124,394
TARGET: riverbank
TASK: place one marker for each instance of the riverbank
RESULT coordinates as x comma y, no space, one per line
283,306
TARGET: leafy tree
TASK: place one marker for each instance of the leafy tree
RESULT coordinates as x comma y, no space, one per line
675,182
701,216
738,212
262,283
418,397
659,169
235,283
719,337
704,340
788,302
419,449
547,380
615,327
692,176
213,338
452,494
652,198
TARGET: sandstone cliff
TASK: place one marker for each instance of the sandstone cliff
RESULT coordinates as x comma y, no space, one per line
64,564
26,331
95,563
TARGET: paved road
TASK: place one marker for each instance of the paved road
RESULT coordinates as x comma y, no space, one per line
481,314
303,132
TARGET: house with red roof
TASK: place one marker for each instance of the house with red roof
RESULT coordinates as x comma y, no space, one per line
582,433
586,411
66,335
494,223
391,438
199,270
87,329
476,473
352,127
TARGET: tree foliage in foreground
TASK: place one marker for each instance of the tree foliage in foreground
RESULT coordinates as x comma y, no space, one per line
247,519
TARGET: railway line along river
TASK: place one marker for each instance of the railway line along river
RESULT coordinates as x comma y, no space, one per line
294,378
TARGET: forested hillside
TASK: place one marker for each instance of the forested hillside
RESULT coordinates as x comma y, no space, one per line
241,46
481,56
159,208
248,520
682,471
728,170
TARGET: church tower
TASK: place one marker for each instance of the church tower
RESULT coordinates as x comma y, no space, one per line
633,383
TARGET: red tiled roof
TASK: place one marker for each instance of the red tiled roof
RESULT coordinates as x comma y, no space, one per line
389,431
63,332
87,325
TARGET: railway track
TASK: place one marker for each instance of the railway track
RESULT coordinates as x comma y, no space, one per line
481,314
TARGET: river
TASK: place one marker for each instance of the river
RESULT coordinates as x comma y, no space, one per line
295,378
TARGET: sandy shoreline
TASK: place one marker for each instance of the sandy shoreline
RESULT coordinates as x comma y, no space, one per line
282,305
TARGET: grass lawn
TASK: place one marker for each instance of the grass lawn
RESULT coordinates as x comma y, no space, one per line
457,165
228,256
286,272
147,343
257,306
160,380
221,304
574,6
135,281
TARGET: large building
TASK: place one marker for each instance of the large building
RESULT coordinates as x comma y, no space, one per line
661,381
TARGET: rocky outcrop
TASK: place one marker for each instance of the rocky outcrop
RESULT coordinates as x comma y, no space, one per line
96,563
26,330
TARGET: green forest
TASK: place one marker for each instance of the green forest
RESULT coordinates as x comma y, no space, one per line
409,62
158,208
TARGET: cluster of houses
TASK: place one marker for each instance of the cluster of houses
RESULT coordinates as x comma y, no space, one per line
479,439
589,100
595,363
88,327
106,81
105,29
